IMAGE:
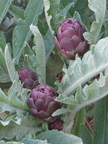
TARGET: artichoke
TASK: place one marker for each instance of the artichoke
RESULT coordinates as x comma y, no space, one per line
42,104
28,78
69,39
58,125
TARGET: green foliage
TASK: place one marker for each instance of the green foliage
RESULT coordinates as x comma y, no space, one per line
85,135
53,17
99,10
4,6
81,71
2,41
40,53
34,141
78,74
18,128
81,7
63,138
27,28
16,12
22,31
100,123
48,41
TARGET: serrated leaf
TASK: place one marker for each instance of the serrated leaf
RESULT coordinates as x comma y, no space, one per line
91,64
10,118
92,93
4,6
22,31
40,53
17,86
14,95
10,65
12,102
83,70
67,100
19,131
51,8
55,137
30,62
99,9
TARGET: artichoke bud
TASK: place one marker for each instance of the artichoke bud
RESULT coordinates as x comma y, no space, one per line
42,102
57,124
28,78
69,39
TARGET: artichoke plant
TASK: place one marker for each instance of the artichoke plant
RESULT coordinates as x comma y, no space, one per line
69,39
58,125
28,78
42,104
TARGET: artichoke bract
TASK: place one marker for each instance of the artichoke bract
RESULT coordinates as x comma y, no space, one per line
42,104
28,78
69,39
58,125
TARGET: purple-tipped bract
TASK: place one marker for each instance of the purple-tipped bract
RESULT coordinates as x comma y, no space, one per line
42,102
28,78
69,39
58,125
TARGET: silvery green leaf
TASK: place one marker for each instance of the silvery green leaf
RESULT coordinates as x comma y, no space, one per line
100,122
10,65
63,12
48,40
56,137
4,6
81,71
19,130
40,53
2,41
22,31
51,8
34,141
61,111
99,10
85,135
16,11
30,62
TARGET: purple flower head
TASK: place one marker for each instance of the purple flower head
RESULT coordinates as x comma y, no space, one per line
42,102
69,39
28,78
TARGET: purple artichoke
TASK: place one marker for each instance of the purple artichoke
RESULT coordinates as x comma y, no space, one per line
28,78
58,125
69,39
42,102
